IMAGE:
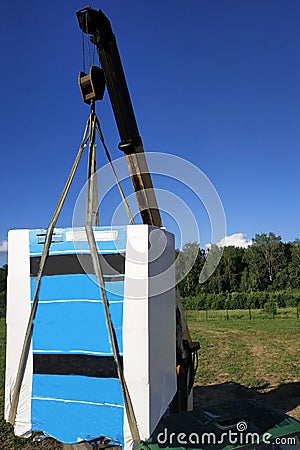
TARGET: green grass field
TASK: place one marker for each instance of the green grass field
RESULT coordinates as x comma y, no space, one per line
253,352
261,354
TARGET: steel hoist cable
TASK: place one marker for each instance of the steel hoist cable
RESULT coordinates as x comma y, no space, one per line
83,51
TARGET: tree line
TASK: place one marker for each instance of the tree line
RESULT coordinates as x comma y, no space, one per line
266,272
3,284
263,275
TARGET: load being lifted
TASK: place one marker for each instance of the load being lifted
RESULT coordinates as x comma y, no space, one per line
98,351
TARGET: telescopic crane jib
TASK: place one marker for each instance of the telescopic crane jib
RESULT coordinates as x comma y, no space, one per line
97,25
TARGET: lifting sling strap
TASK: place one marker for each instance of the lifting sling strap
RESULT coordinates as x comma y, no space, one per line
92,126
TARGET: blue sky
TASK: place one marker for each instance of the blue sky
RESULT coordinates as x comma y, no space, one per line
216,82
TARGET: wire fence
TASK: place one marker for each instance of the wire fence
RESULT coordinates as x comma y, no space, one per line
243,314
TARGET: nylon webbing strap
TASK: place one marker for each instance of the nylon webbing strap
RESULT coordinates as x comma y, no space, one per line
92,170
28,334
99,274
91,213
101,137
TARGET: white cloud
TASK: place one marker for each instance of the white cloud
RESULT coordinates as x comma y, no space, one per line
3,246
234,240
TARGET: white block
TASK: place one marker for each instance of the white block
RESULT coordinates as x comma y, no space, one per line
149,325
18,311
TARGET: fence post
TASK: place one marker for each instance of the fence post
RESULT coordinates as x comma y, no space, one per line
250,315
298,310
206,313
273,310
227,315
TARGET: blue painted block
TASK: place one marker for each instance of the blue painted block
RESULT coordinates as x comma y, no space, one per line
73,398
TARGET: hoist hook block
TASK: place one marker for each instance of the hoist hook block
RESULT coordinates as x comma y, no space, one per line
92,85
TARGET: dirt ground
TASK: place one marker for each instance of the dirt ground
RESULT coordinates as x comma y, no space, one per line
285,397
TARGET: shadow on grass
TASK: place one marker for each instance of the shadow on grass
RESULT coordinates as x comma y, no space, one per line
285,397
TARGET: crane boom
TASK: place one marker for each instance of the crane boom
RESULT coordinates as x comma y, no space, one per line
97,25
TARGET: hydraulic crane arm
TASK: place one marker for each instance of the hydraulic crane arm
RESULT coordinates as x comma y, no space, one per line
97,25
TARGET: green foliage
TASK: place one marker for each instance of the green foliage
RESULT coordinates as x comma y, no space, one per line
189,262
3,287
270,307
268,270
2,304
3,278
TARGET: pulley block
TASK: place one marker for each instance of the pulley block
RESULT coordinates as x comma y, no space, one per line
92,85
